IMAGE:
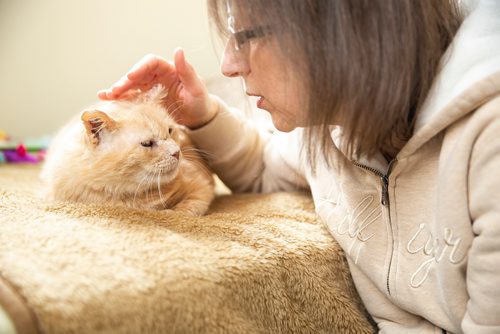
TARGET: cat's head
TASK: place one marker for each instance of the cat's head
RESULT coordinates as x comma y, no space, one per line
133,141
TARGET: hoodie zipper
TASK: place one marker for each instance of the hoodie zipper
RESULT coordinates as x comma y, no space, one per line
384,200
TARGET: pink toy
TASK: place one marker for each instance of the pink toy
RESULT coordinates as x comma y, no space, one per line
21,150
20,155
29,150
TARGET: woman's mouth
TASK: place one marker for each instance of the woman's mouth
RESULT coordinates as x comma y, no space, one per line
260,101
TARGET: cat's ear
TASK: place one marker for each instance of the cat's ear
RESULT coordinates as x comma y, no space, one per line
96,121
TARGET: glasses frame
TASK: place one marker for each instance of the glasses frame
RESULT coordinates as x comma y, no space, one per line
242,36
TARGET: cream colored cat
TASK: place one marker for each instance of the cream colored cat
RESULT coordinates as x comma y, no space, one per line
128,153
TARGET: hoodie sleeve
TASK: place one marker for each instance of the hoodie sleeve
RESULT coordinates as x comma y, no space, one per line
483,269
247,159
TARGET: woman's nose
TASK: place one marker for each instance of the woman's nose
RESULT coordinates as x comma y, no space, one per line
234,62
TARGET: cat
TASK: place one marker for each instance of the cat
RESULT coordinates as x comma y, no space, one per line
130,153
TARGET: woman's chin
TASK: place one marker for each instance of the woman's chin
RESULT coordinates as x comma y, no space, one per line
283,126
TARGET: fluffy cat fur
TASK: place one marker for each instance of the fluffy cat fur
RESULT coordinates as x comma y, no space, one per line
129,153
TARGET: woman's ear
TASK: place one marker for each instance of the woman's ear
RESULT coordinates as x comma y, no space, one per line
96,121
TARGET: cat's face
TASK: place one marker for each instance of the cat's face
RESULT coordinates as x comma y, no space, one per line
136,144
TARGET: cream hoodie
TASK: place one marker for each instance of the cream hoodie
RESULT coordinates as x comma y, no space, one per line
422,235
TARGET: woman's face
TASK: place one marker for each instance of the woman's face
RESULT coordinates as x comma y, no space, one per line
253,55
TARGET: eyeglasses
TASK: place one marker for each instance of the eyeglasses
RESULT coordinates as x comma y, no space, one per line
241,37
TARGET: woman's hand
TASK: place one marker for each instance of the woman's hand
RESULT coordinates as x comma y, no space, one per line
187,101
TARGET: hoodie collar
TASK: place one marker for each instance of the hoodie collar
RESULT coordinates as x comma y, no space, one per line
469,76
468,69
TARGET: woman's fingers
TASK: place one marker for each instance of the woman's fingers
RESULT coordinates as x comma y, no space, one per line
116,90
103,94
121,86
151,70
186,73
150,64
144,74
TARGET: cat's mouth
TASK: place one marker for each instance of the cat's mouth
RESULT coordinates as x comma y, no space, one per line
167,166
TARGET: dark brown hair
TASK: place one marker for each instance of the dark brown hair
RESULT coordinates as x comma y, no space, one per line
367,65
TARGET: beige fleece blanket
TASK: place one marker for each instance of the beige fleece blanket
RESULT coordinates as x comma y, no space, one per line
254,264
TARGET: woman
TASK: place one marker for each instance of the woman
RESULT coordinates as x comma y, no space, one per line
388,111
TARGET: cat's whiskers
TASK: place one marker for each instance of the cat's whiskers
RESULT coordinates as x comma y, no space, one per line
147,187
195,161
166,165
203,153
139,186
147,180
177,105
151,182
160,172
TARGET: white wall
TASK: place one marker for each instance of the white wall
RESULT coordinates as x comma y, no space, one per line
55,54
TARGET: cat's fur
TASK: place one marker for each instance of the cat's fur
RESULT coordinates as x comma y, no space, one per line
104,156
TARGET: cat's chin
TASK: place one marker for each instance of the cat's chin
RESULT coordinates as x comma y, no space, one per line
167,176
159,175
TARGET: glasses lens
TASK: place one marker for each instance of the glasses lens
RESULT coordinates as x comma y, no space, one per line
240,38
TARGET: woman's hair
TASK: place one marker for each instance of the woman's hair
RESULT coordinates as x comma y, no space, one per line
367,65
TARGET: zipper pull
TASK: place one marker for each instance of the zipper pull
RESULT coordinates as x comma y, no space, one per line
385,190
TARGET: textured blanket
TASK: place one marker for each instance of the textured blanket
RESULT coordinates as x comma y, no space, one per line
253,264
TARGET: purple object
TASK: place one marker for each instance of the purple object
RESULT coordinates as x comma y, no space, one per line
14,157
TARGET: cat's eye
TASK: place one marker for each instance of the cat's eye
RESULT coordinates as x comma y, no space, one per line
170,130
147,143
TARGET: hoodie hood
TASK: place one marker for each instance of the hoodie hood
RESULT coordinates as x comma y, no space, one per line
470,73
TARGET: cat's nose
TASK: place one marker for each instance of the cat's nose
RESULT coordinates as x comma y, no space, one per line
175,154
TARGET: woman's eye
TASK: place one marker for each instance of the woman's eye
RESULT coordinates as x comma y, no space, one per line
147,143
243,36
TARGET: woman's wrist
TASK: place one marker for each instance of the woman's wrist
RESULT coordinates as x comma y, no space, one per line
209,116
